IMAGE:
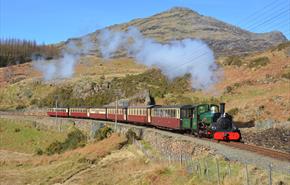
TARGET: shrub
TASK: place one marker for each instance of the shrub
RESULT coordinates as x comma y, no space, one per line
259,62
228,89
233,60
20,107
131,136
103,133
177,100
39,151
53,148
233,111
286,75
74,139
17,130
146,145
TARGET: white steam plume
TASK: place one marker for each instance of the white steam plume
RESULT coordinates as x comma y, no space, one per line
63,67
175,58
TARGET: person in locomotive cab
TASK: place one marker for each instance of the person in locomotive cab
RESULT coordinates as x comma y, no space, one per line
214,109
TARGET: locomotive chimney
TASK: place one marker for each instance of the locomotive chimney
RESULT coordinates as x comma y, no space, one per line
222,108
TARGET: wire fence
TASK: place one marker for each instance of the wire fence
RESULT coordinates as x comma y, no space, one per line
210,169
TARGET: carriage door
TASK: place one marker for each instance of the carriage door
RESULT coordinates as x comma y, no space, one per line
149,115
125,113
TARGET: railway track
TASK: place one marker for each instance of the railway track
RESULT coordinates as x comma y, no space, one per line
259,150
251,148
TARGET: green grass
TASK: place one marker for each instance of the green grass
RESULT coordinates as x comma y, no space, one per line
233,60
23,136
23,94
259,62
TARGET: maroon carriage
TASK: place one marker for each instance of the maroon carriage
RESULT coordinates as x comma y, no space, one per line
140,114
166,116
58,112
117,112
79,112
98,113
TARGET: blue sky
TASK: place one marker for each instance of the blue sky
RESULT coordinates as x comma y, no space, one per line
53,21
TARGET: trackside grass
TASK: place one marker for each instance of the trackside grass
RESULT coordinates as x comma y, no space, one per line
24,136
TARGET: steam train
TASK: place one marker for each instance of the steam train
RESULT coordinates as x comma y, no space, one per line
203,120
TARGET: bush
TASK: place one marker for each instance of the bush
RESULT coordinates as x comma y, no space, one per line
233,60
39,151
233,111
20,107
131,136
286,75
259,62
177,100
228,89
103,133
53,148
74,139
17,130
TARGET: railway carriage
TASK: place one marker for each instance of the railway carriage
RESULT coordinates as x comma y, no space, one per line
98,113
173,117
120,112
79,112
141,114
58,112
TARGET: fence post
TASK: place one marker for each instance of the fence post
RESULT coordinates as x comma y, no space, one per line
206,170
191,164
180,159
247,175
199,167
229,168
270,174
218,171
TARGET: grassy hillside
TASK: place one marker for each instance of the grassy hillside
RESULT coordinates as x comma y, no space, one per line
96,161
254,86
25,137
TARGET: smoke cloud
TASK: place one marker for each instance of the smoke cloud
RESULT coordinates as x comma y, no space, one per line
175,58
63,67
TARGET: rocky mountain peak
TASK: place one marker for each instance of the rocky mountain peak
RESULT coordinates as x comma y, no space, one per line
182,23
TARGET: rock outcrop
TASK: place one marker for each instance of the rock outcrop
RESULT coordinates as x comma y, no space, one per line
181,23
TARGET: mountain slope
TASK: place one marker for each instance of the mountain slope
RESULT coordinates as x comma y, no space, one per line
181,23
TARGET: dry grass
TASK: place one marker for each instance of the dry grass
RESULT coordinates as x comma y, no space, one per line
105,163
56,168
252,87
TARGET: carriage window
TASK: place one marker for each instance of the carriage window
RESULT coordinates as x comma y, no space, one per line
173,113
186,113
203,108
